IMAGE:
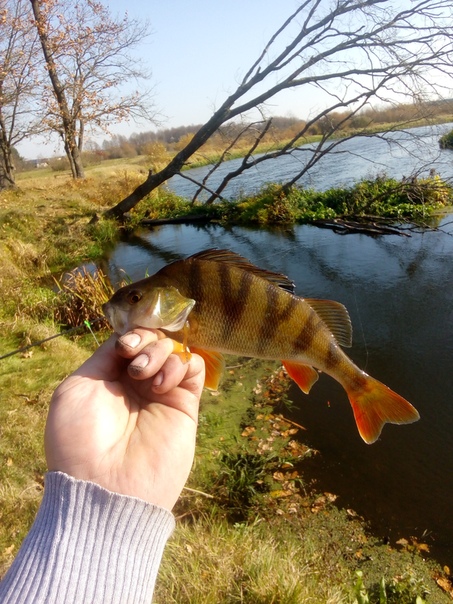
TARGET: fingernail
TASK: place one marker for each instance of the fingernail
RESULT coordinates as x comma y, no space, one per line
158,379
131,339
141,361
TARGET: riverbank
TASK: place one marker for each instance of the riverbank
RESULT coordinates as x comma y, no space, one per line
250,528
207,156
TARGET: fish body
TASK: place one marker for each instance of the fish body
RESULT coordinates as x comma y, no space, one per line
225,304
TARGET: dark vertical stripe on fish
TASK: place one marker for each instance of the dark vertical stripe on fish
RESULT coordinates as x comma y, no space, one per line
234,302
305,337
195,290
290,308
332,355
274,314
266,334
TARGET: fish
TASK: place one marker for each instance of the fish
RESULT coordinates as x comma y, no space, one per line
217,302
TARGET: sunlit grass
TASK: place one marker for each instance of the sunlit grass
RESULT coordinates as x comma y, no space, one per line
27,381
244,563
80,298
283,550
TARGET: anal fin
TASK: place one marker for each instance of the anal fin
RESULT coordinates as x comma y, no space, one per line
304,375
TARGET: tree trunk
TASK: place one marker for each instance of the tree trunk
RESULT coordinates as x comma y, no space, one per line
7,180
6,173
78,171
68,122
174,167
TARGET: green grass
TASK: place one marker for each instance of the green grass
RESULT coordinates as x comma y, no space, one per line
314,559
26,383
249,528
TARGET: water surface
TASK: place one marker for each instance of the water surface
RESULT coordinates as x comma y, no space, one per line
399,292
396,154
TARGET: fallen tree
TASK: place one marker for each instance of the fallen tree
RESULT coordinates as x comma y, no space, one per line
354,52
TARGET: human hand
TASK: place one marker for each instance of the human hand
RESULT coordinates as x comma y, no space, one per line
127,418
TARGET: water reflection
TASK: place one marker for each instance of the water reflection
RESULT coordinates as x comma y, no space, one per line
399,292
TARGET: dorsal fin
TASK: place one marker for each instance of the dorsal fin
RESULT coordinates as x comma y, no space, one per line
233,259
336,317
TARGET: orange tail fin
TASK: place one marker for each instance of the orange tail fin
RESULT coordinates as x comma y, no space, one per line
374,405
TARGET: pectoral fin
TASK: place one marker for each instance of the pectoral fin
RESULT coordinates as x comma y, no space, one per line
170,309
181,350
214,364
304,375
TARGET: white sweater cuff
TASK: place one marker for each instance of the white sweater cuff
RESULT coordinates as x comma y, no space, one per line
88,545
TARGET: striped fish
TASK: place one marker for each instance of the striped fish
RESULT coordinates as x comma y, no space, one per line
217,302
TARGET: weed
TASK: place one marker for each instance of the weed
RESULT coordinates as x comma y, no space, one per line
81,296
243,562
241,477
446,141
414,199
407,588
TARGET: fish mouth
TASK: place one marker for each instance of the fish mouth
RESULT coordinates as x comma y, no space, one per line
116,318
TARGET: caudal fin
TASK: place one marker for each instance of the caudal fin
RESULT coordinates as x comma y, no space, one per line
375,405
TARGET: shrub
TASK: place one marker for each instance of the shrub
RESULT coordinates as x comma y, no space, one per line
81,296
410,198
446,141
59,164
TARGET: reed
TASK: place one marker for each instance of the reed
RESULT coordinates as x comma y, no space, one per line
80,298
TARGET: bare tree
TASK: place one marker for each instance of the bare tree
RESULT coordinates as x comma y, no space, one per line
89,60
18,80
353,51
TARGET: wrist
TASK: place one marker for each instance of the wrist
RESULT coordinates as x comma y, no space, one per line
89,544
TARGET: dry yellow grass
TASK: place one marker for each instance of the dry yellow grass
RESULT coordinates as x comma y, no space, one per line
305,558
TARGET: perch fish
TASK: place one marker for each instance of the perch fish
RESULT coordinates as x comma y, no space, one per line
217,302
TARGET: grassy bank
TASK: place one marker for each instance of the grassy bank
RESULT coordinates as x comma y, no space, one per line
249,527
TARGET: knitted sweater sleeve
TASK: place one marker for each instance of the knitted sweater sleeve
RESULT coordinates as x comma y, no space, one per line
88,545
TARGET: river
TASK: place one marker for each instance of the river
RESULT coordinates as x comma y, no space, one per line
399,292
397,154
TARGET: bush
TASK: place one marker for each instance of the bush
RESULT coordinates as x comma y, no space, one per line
59,164
446,141
411,198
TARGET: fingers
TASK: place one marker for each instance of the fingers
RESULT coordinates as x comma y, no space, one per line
152,358
129,345
175,372
148,351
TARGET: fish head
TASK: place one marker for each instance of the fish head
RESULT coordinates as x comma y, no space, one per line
152,307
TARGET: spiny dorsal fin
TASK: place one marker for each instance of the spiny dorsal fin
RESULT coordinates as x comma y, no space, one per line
336,317
233,259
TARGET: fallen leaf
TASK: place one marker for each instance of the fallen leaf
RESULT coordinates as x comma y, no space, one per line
445,584
280,494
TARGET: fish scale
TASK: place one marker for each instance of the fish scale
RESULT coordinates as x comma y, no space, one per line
218,302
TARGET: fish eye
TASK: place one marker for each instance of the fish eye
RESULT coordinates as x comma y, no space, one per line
134,296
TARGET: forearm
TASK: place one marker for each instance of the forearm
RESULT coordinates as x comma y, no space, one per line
88,545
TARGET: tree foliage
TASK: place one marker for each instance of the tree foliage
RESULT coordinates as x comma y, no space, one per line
19,74
353,51
88,55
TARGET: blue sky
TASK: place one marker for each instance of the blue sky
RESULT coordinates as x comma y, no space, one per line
197,53
199,48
